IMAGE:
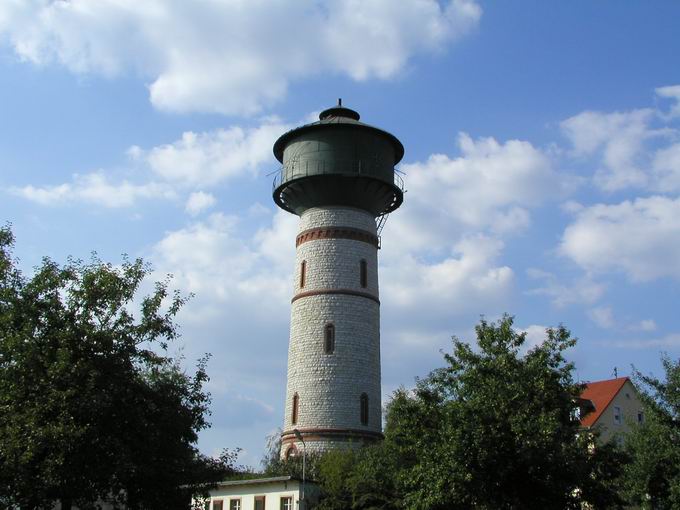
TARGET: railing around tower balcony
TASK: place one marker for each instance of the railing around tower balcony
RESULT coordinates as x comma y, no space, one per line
311,167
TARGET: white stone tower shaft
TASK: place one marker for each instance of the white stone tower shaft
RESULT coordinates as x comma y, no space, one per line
333,392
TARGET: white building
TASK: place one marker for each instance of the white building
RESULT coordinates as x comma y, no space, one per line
277,493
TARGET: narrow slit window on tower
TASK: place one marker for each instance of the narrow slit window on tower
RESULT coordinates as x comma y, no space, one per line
364,409
296,402
303,270
363,273
329,339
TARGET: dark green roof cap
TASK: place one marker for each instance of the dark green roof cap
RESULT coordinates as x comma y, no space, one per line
330,119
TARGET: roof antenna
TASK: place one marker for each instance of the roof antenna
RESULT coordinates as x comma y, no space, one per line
339,101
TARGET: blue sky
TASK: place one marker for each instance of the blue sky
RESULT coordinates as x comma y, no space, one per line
542,166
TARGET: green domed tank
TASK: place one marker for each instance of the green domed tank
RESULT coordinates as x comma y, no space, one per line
338,161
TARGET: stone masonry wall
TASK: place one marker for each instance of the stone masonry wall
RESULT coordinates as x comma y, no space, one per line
329,386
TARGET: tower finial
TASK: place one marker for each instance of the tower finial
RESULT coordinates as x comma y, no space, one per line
339,101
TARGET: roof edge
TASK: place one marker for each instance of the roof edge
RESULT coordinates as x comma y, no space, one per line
281,142
254,481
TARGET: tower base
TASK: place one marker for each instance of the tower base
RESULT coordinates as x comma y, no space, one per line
321,440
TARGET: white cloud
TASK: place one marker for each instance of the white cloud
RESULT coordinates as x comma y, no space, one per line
468,279
196,160
571,206
666,167
276,243
231,57
231,273
94,188
205,254
620,144
443,249
199,202
671,92
205,159
603,316
491,186
580,291
640,238
648,325
670,341
620,137
535,335
419,339
644,325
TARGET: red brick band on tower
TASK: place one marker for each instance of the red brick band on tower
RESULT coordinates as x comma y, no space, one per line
346,292
354,234
316,434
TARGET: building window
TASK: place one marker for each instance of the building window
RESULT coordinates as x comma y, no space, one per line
296,402
234,504
641,417
364,409
363,270
286,503
217,504
617,415
259,502
303,275
329,339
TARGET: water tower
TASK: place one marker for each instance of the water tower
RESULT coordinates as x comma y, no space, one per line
338,175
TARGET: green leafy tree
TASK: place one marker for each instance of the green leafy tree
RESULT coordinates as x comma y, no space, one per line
334,469
352,478
495,429
373,483
652,478
91,407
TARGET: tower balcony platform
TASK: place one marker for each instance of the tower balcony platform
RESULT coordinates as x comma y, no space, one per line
299,185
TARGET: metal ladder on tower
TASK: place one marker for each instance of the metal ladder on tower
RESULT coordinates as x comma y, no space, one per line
380,225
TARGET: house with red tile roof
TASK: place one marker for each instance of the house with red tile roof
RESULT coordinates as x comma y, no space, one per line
611,406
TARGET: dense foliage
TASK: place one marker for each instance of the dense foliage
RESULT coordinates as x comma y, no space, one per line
652,478
494,428
91,407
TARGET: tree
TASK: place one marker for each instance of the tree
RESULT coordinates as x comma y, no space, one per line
91,405
335,467
496,429
652,478
347,477
374,480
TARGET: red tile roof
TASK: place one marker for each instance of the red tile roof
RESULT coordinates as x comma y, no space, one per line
600,393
